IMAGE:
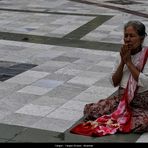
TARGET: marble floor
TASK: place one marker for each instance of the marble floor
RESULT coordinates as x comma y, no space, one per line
55,57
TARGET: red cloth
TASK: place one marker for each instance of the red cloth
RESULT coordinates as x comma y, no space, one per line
120,119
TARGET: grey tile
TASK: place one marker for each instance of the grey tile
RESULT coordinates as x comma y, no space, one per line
123,2
88,62
68,71
49,101
6,64
106,63
8,131
4,113
39,60
11,87
34,90
79,66
105,82
86,81
11,72
92,74
74,105
52,124
22,66
66,114
14,102
4,77
4,93
35,74
59,77
97,68
11,69
48,69
142,138
65,58
12,47
20,119
118,138
9,105
95,93
3,140
35,110
47,83
51,66
66,91
23,80
32,135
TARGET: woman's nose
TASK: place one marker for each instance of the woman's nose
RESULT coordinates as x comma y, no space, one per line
128,38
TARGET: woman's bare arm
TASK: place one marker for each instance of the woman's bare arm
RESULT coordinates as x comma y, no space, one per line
117,76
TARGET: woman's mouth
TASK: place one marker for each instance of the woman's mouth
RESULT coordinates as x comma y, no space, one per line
129,46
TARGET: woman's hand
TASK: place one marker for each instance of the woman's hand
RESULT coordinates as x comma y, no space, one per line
125,54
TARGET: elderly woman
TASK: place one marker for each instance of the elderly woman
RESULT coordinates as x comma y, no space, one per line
127,109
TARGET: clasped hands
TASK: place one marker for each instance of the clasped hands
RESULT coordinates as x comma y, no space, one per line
125,54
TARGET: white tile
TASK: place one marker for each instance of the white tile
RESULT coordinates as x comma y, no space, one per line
68,71
66,114
34,90
47,83
36,74
35,110
94,94
143,138
49,101
83,80
51,124
22,80
74,105
106,63
65,29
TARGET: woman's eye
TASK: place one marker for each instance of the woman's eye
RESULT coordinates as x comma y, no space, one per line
131,35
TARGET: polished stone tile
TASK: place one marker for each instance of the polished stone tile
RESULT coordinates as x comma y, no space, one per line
143,138
23,66
68,71
21,98
11,69
35,110
8,131
83,81
95,93
74,105
20,119
65,114
49,101
23,80
100,69
66,91
53,124
47,83
35,74
33,135
64,58
34,90
59,77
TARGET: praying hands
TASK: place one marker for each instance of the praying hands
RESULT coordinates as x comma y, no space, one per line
125,54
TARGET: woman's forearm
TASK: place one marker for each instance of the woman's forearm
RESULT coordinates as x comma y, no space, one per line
117,76
134,71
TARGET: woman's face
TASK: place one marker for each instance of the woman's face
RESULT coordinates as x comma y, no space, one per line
132,39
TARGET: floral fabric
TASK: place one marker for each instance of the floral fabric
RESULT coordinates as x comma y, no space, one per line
139,106
122,117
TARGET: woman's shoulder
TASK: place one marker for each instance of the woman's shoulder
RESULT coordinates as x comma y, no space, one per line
145,48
